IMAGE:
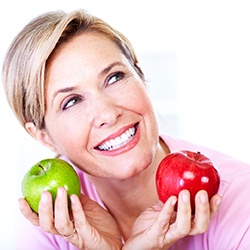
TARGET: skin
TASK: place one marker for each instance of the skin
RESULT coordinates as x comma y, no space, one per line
93,94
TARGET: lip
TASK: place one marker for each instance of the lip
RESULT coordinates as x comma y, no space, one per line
132,143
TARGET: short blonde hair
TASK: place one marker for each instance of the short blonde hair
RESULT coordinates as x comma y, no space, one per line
25,63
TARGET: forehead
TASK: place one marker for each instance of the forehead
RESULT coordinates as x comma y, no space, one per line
91,44
83,56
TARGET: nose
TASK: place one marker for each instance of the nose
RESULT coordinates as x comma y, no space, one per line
106,111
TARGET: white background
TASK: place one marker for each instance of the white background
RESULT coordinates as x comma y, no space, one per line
199,49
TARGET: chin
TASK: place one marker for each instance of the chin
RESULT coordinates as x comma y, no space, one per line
136,169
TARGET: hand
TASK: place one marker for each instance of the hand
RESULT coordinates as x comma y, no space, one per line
160,226
87,226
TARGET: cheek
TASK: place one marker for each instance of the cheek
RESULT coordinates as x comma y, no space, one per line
138,99
143,106
146,108
67,136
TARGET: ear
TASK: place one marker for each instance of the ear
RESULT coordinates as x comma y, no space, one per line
40,135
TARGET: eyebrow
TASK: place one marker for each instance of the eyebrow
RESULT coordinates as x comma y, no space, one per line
64,90
107,69
103,72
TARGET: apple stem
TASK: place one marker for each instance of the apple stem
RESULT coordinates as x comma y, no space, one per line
40,166
197,156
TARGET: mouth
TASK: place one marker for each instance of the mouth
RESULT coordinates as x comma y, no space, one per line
119,141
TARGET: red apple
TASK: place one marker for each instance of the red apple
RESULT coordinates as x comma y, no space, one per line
186,170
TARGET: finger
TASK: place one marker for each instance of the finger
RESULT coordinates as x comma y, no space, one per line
27,212
63,224
184,208
166,213
215,204
82,227
182,225
202,217
163,222
46,214
78,212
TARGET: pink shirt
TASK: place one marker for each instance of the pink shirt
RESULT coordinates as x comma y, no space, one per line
229,228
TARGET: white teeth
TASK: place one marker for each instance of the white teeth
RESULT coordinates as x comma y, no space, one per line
118,141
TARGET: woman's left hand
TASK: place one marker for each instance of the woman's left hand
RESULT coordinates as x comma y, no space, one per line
160,226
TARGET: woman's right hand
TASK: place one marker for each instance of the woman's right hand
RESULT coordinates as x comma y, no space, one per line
87,226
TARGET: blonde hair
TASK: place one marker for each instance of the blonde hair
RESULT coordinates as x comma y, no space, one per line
25,63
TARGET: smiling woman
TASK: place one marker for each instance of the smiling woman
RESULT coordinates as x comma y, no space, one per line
96,108
75,85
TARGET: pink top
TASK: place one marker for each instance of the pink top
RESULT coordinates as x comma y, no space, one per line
229,228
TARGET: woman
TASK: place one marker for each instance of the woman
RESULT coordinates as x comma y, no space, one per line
75,85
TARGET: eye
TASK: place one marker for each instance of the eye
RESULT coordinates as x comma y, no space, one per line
71,102
115,77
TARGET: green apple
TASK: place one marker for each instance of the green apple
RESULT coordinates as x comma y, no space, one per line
48,175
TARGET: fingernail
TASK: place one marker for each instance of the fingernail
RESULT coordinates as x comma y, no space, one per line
20,204
173,202
72,199
59,193
44,198
203,198
185,197
218,201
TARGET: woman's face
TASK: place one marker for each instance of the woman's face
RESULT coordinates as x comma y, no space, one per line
98,113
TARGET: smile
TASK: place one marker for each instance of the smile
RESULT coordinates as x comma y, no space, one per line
119,141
